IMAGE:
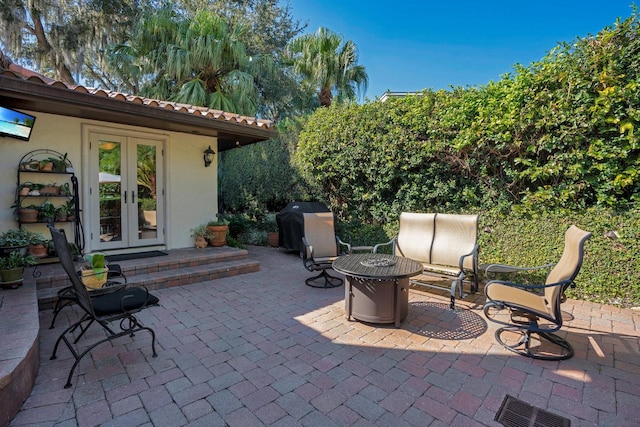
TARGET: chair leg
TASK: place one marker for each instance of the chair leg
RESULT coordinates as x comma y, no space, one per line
523,345
65,297
133,326
329,280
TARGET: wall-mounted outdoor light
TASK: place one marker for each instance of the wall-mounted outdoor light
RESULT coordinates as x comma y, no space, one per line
208,156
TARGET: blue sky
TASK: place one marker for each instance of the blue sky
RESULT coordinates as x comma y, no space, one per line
414,45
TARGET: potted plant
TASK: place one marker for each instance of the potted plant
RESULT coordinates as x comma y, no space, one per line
94,274
38,244
50,190
218,229
201,236
26,214
12,268
48,211
15,240
70,207
271,227
61,213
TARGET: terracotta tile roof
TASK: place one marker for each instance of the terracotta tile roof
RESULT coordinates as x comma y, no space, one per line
23,73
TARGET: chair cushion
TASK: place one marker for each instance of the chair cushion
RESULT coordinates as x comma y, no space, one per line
518,297
110,303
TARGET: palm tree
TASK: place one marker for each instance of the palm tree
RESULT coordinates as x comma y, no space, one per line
198,61
324,61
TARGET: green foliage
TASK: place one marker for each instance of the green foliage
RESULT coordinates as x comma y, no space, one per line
14,237
558,134
609,272
262,177
16,260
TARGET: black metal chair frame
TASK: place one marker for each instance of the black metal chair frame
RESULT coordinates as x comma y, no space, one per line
116,280
118,306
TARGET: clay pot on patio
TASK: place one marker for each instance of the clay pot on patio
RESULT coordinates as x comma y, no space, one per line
219,233
201,242
39,251
273,238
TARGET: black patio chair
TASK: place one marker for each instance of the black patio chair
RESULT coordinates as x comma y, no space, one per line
66,296
119,306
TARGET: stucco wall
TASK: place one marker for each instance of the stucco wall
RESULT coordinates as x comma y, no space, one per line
190,188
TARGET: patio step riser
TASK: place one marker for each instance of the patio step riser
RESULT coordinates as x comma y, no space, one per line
156,273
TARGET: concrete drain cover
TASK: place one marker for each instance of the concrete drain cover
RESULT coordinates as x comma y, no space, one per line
516,413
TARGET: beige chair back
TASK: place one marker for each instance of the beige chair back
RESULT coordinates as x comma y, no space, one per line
416,229
455,235
320,234
568,267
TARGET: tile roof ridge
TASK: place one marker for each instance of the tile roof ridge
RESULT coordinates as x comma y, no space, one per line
27,74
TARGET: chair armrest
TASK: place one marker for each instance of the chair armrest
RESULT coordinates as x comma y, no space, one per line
390,242
505,268
307,250
474,254
525,287
341,243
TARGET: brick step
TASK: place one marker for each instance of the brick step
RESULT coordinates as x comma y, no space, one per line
180,267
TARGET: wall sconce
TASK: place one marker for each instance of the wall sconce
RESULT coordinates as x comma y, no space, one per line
208,156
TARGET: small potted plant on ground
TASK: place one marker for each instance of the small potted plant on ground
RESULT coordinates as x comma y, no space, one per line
219,229
271,227
12,268
201,236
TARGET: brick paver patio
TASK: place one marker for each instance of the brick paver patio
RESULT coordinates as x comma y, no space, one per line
264,349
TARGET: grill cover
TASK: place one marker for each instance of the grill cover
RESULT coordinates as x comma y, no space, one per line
291,223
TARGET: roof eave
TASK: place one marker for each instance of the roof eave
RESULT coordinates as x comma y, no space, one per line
39,97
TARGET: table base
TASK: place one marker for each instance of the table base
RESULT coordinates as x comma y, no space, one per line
377,301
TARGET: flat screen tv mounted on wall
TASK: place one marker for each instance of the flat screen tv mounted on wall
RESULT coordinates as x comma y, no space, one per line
15,124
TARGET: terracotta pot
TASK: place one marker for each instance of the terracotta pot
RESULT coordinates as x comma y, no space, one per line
219,234
50,190
39,251
28,215
201,242
274,239
47,167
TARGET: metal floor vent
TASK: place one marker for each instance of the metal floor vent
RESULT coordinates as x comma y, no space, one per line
516,413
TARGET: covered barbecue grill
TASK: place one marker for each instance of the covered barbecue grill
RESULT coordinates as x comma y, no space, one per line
291,223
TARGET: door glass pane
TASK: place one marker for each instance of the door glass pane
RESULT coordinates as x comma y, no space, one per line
109,162
147,197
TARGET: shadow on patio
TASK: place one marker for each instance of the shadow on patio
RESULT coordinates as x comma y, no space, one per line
263,348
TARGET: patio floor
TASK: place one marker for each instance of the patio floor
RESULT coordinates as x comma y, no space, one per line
264,349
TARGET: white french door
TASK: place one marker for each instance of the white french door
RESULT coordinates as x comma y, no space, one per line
126,192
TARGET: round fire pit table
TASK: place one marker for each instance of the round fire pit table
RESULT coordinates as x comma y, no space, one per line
377,288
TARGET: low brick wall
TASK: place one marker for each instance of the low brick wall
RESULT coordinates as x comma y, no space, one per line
19,350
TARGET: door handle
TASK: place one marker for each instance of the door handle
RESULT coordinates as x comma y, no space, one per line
133,197
125,197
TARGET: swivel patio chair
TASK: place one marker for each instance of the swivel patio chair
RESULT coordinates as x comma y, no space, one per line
321,247
119,306
533,318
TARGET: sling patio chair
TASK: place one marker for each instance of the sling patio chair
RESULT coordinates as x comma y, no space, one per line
321,247
66,296
534,318
119,306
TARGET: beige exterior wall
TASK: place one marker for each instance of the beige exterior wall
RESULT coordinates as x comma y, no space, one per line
190,189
